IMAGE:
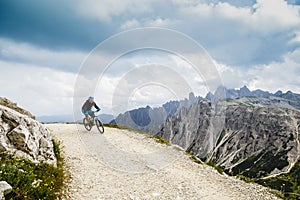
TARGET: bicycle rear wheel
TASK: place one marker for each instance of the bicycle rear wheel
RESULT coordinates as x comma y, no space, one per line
100,126
87,125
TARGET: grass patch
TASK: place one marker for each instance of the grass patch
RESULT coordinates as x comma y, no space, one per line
218,168
112,125
123,127
193,158
286,184
245,178
33,181
56,150
277,193
159,139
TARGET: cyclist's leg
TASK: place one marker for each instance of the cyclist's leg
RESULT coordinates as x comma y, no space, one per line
87,116
90,114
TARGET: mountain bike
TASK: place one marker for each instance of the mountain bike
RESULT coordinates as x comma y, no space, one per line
93,121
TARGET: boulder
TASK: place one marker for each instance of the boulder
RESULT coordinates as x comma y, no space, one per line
21,135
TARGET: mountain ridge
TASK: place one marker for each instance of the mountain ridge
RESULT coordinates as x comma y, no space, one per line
244,91
248,133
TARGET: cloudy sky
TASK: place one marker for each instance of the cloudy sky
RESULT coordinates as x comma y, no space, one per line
44,44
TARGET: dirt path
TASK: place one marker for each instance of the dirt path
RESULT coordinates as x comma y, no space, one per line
124,165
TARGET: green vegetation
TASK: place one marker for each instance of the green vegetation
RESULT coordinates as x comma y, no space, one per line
277,193
124,127
261,164
56,150
193,158
287,184
159,139
218,168
112,125
245,178
33,181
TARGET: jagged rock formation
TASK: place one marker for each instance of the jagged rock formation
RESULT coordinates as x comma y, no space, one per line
289,97
145,119
244,138
24,136
149,119
7,103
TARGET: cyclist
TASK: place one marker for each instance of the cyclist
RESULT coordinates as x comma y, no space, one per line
87,108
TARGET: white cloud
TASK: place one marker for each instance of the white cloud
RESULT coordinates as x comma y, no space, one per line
40,90
160,22
276,15
150,22
129,24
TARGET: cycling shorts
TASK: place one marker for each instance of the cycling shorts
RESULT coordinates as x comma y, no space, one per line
88,112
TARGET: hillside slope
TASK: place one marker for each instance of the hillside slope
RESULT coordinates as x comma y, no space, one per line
254,141
124,165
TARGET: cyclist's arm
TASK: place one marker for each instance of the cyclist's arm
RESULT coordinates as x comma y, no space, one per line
96,106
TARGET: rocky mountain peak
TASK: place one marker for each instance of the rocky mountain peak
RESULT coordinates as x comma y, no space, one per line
278,93
244,91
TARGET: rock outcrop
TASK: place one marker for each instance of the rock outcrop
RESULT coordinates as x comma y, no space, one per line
23,136
7,103
242,136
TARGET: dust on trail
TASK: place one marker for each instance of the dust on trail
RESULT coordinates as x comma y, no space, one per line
120,164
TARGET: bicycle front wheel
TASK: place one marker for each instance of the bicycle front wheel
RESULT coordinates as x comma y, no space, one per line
100,126
87,125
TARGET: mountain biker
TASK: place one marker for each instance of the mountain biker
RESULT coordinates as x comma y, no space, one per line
87,108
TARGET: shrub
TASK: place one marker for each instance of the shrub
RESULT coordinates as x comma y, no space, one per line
193,158
30,180
219,169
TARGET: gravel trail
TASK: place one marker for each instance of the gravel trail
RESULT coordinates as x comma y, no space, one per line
121,164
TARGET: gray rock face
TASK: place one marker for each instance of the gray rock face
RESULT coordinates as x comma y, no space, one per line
149,119
7,103
144,119
24,136
243,138
5,189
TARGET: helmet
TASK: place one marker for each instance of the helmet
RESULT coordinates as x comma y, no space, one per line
91,98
